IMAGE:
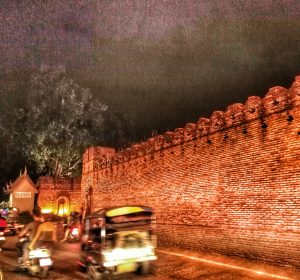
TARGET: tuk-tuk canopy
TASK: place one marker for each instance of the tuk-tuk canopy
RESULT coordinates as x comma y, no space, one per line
123,216
120,211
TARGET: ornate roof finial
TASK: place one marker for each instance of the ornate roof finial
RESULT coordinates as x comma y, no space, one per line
6,189
25,171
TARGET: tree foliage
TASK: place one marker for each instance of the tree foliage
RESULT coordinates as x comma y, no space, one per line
56,120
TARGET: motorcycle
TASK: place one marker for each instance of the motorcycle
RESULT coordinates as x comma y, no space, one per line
2,238
74,234
39,260
12,228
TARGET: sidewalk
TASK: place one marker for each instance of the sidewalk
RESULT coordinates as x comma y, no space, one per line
252,267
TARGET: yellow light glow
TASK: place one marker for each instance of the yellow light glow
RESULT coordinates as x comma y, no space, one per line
63,211
228,265
123,211
47,210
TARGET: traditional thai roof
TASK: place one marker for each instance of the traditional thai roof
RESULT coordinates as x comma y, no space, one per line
13,186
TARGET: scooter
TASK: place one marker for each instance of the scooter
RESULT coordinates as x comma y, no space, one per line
39,260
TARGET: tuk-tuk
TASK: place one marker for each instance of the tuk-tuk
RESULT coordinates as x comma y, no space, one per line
118,240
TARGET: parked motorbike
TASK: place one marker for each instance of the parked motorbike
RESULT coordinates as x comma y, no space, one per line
39,260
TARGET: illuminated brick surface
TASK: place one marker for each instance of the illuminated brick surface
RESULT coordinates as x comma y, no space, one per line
50,190
229,184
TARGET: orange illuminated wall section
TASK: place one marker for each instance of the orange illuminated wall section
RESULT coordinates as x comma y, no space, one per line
227,184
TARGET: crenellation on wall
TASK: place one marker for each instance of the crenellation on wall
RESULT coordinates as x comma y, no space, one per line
168,136
158,142
190,132
202,128
234,115
276,100
217,121
295,91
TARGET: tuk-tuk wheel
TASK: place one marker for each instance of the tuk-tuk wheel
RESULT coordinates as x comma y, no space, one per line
45,272
144,268
93,273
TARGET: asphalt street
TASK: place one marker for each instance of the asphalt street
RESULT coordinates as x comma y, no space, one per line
171,264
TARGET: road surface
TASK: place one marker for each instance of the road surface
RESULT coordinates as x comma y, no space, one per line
171,264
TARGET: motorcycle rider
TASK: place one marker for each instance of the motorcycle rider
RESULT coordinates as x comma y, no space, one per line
73,220
30,230
45,236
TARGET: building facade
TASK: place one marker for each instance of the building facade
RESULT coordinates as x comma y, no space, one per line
22,193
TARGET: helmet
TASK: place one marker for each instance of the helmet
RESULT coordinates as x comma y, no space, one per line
74,214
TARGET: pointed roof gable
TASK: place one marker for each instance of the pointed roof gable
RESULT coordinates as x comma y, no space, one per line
14,186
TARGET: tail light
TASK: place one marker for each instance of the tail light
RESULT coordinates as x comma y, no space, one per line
75,231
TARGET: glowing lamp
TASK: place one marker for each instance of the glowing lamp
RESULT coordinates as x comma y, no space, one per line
46,210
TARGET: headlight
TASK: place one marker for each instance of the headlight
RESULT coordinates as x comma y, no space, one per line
109,260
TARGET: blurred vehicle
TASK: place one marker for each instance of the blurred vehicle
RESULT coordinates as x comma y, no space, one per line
72,227
2,238
39,259
38,246
1,274
74,234
118,240
3,225
11,215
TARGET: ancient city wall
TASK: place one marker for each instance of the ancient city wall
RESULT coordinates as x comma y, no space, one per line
229,184
52,189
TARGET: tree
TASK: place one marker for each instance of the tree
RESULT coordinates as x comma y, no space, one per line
58,120
12,159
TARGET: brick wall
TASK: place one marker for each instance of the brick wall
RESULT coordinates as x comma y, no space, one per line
51,189
229,184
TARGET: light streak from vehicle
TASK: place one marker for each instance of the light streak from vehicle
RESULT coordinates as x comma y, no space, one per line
257,272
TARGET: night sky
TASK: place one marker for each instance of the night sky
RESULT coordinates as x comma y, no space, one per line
161,63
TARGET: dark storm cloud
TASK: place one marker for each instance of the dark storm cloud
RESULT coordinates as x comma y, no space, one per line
33,32
152,18
163,63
